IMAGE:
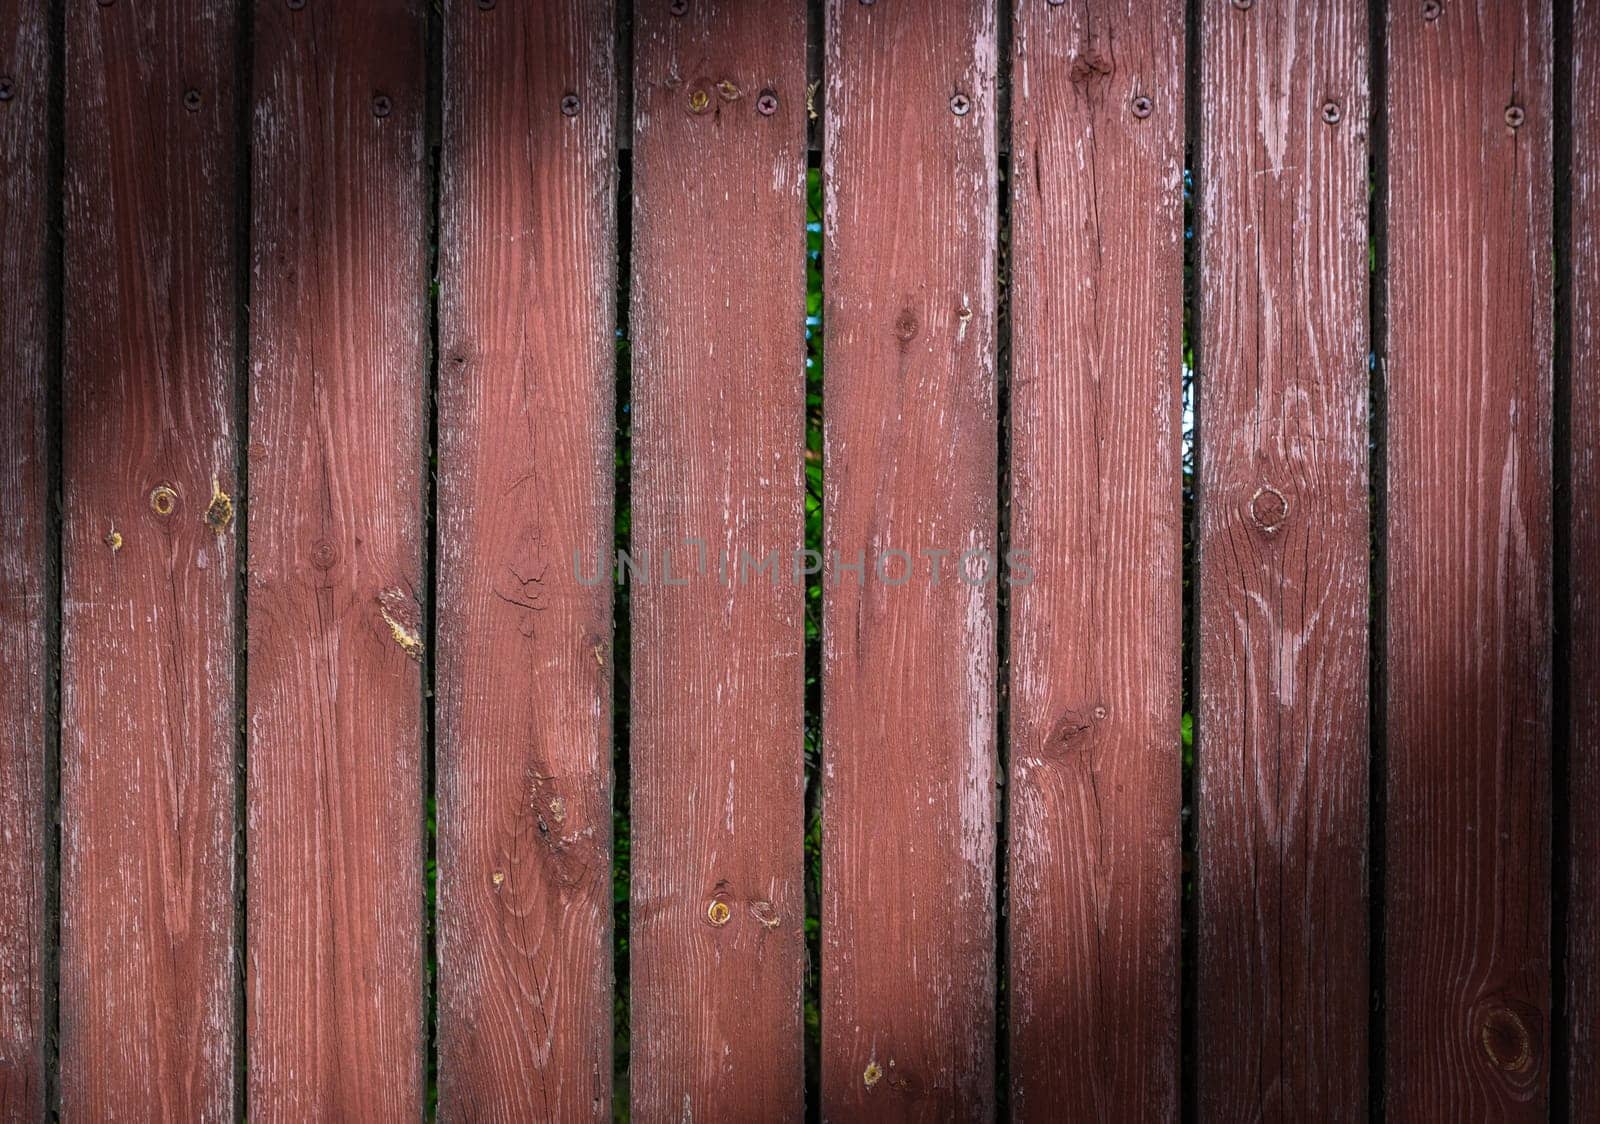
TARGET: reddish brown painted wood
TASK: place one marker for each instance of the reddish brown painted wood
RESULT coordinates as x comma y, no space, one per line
147,677
1582,997
338,360
718,903
908,955
527,276
1467,885
1097,313
1284,558
24,592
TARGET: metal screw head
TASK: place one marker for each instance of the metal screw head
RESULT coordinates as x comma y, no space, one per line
960,105
191,100
105,3
7,89
1331,113
1142,106
767,103
381,106
678,7
1514,116
570,105
296,5
1055,3
485,5
1243,4
1432,10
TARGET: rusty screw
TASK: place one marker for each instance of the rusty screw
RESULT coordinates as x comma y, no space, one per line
382,106
678,7
960,105
570,105
1331,113
1142,106
7,89
767,103
1432,10
1514,116
191,100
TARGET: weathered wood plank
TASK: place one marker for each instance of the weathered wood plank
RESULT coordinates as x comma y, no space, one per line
1096,504
338,351
147,678
718,317
908,905
1467,886
1281,1021
1582,626
24,595
527,277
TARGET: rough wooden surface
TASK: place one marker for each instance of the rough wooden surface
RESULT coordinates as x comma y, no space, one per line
1096,314
1467,922
338,361
718,901
908,925
147,678
24,596
1583,572
1282,988
527,273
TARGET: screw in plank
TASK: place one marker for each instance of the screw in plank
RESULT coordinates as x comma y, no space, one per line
767,103
570,105
7,89
678,7
296,5
1432,10
1514,116
485,5
381,106
1055,3
960,105
1142,106
163,500
1243,4
191,100
106,3
1331,113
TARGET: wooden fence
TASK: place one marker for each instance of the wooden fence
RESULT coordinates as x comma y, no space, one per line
344,345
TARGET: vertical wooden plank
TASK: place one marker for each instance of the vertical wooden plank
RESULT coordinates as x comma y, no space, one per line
24,597
1467,922
1583,568
1096,505
147,677
718,318
527,280
339,331
910,190
1282,997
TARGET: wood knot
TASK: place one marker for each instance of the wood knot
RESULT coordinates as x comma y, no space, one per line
1269,510
905,327
1508,1037
323,555
1089,66
1073,731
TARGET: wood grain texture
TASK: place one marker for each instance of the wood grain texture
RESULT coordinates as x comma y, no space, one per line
25,598
1467,886
1096,503
908,903
338,359
147,677
718,897
527,277
1282,988
1582,999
